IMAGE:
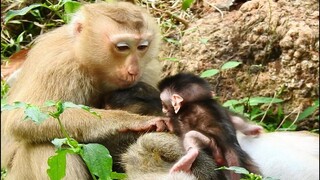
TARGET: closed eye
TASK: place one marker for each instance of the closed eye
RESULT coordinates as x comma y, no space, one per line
122,46
141,47
144,45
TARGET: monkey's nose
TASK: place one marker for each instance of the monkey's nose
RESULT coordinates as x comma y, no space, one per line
133,70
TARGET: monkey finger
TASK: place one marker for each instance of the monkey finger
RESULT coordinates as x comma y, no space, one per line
169,125
185,163
160,123
253,130
139,128
160,127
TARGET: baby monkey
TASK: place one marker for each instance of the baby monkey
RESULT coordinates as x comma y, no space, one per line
203,123
141,99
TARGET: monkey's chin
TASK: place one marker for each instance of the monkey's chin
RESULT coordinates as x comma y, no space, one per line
122,84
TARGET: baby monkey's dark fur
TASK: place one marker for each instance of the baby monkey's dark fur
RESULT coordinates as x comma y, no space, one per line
200,112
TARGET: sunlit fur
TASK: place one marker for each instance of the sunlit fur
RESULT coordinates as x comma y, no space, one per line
77,63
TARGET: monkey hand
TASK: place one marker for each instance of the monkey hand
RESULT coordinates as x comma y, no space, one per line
185,163
253,130
158,124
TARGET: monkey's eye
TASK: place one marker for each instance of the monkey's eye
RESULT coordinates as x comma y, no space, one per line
122,46
144,45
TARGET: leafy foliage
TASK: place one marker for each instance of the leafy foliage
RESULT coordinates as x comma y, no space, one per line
57,164
20,26
4,90
246,173
309,111
186,4
225,66
96,156
252,109
3,174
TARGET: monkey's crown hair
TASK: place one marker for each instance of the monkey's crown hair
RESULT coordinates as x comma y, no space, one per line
186,83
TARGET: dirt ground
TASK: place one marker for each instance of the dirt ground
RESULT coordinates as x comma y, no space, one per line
276,41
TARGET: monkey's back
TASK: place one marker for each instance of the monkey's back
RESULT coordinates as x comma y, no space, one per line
212,120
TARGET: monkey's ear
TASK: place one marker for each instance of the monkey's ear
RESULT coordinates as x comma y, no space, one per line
77,23
176,102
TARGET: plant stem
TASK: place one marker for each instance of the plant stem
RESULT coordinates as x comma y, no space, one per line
63,130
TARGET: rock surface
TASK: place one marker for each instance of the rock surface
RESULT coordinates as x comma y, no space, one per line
277,42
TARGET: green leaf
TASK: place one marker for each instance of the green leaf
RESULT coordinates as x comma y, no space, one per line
209,73
255,116
186,4
13,13
49,103
60,108
231,103
204,40
307,112
115,175
59,142
71,105
236,169
74,144
239,109
230,64
35,114
15,105
70,8
80,106
171,59
98,160
172,41
20,37
288,126
57,165
253,101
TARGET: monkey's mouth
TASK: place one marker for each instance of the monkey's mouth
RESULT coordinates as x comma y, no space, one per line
125,83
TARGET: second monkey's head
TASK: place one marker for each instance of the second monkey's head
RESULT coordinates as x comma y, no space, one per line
180,89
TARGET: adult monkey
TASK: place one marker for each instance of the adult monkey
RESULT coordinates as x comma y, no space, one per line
25,149
107,46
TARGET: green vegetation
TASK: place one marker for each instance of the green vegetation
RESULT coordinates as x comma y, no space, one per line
96,156
21,25
247,175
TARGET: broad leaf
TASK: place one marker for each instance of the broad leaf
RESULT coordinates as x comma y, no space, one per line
70,8
115,175
35,114
15,105
307,112
49,103
236,169
59,142
98,160
231,103
13,13
230,64
186,4
80,106
57,165
209,73
20,37
263,100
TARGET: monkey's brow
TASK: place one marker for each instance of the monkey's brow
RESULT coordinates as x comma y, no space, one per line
125,36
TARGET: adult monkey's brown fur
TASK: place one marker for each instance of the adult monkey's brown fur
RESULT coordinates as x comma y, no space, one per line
106,47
